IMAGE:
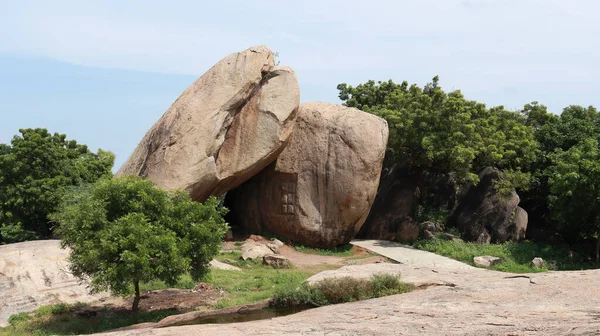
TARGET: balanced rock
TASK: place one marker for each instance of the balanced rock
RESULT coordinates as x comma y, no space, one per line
485,216
226,127
321,187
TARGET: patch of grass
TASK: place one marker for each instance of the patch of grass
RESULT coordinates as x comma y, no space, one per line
61,319
339,290
517,255
254,283
339,251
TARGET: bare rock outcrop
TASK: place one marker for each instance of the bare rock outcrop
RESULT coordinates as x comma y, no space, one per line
226,127
321,187
36,273
485,216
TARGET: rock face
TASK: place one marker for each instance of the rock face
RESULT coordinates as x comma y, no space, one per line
321,187
226,127
393,205
36,273
484,216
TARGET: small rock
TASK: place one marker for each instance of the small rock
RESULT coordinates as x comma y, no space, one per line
223,266
273,248
277,242
452,237
257,238
202,287
432,226
486,261
276,260
538,262
252,250
228,235
408,231
428,235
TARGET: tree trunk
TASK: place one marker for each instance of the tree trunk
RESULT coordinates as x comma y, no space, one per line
136,299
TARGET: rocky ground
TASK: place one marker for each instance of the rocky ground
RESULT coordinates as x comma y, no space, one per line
448,302
35,273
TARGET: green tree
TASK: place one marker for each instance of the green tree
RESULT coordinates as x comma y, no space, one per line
125,231
34,169
575,189
573,126
433,132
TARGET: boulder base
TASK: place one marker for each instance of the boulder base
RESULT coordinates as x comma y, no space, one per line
321,187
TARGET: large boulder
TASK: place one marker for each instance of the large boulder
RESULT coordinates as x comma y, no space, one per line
321,187
485,216
223,129
396,196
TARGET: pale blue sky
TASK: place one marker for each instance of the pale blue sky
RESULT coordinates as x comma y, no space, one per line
104,71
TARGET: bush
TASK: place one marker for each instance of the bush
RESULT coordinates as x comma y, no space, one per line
13,320
339,290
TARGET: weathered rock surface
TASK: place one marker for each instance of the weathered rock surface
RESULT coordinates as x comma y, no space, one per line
453,302
321,187
226,127
484,216
360,272
35,273
215,264
393,204
486,261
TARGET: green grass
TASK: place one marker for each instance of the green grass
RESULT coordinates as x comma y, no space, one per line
517,256
339,251
339,290
61,319
254,283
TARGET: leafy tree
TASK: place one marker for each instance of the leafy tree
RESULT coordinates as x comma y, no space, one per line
433,132
125,231
575,189
34,169
575,125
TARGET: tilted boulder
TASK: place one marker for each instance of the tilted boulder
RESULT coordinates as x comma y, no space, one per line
484,216
226,127
321,187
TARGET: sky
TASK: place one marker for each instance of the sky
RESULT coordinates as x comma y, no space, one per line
103,72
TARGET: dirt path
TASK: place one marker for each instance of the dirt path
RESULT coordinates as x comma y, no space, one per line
450,302
409,255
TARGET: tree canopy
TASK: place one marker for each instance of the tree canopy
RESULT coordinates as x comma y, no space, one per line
125,231
438,132
34,171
